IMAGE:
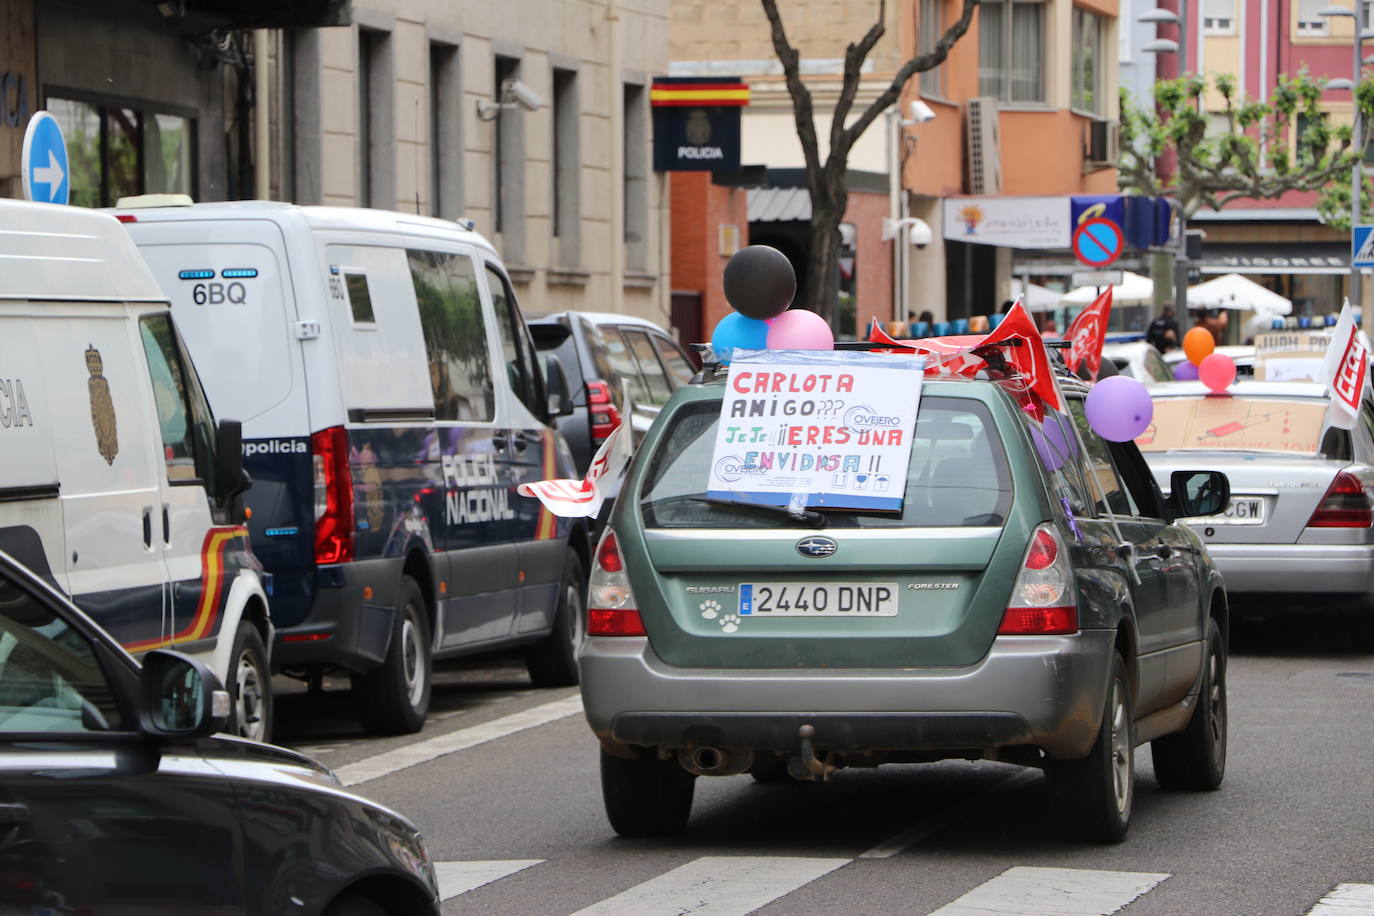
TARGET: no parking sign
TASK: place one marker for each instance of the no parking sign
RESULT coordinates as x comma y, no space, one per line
1098,242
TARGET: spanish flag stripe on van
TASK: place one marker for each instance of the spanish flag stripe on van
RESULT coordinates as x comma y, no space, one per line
213,582
548,522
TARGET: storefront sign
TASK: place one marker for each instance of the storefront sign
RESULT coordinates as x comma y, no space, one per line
822,430
696,123
1012,222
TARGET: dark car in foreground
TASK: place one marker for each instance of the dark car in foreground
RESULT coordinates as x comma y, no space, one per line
118,797
1043,610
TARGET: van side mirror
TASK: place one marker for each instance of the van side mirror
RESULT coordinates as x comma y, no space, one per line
560,400
230,478
1193,494
180,697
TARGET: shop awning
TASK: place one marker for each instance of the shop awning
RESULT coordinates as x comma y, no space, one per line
1275,258
779,205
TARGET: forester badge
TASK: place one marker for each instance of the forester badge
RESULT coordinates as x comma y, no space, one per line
102,408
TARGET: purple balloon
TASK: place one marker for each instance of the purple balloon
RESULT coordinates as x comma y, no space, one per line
1185,372
1054,441
1119,408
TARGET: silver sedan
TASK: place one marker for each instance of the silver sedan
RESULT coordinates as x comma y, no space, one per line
1300,524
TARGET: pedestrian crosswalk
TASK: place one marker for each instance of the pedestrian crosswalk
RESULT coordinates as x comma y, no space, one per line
738,885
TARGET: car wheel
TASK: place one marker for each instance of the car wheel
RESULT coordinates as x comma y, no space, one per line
646,796
1195,758
1092,797
355,905
393,698
552,662
250,690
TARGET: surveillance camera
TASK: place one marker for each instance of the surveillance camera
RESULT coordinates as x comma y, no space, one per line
921,112
527,98
920,234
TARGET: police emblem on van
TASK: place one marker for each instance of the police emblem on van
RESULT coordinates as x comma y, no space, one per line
102,407
817,546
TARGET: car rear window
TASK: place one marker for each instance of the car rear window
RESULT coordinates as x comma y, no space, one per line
957,476
1282,425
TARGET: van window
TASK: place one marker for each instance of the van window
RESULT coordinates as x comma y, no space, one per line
183,416
516,347
957,475
455,335
359,297
654,376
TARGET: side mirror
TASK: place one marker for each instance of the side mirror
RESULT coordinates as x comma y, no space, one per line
560,400
1193,494
230,478
181,697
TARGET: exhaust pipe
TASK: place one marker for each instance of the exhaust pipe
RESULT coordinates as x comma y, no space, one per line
715,761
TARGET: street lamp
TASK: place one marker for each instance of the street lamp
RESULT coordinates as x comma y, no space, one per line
1180,47
1356,173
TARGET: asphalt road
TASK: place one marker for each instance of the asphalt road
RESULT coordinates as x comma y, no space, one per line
504,782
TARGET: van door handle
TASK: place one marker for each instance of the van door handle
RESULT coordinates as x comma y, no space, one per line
166,524
498,443
520,443
148,527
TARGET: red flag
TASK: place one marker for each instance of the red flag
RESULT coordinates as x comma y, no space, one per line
1088,333
1031,359
945,356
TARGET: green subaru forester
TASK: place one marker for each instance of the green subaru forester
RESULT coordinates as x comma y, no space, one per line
1033,601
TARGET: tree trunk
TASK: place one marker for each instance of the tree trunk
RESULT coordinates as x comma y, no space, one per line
823,275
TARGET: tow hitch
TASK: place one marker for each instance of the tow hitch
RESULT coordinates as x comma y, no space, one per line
806,765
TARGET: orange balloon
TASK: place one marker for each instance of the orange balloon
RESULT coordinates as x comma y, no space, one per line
1198,344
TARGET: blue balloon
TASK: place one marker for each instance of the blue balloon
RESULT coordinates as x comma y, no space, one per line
738,332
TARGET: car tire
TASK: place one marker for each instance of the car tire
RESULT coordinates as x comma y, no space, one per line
250,687
355,905
1195,758
393,698
646,796
552,662
1092,797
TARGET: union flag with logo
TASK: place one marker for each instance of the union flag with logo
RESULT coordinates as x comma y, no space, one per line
1346,369
1087,334
584,498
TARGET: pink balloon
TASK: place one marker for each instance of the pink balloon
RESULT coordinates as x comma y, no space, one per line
1217,371
799,329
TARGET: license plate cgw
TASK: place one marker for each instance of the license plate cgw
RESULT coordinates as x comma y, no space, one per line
1241,511
806,599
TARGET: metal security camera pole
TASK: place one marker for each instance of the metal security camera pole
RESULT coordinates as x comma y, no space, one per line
894,207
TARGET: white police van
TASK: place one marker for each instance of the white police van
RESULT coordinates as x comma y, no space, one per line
116,484
391,402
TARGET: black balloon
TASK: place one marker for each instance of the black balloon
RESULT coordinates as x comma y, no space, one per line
760,282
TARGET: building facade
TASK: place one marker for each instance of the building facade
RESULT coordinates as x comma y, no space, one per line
529,117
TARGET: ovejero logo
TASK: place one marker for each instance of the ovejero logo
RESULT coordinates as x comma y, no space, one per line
731,468
863,417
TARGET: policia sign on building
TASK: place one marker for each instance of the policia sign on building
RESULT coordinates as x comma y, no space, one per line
696,123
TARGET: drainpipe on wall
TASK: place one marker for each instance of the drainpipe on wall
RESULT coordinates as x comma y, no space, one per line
617,102
262,144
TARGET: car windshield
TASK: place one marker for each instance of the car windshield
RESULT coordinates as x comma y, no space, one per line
1291,426
957,476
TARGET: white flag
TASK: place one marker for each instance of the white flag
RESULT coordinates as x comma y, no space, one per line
584,498
1346,369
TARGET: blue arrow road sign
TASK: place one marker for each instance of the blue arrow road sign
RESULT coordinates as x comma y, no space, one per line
45,168
1362,247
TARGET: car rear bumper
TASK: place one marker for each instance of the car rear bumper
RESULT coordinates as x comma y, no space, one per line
1295,568
1041,691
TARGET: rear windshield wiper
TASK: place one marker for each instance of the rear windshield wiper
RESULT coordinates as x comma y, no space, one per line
810,517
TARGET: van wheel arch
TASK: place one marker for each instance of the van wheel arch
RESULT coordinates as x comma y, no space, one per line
418,567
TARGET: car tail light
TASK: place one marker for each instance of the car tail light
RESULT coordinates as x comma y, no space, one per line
1345,505
605,415
611,607
1042,598
126,217
333,496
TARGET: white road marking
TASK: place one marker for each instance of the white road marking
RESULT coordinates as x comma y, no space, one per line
716,886
932,825
1053,892
1346,900
424,751
460,877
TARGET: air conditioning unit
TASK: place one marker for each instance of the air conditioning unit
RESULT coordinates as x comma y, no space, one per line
1104,142
984,144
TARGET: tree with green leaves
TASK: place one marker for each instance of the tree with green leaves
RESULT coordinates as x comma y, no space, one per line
825,177
1265,149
